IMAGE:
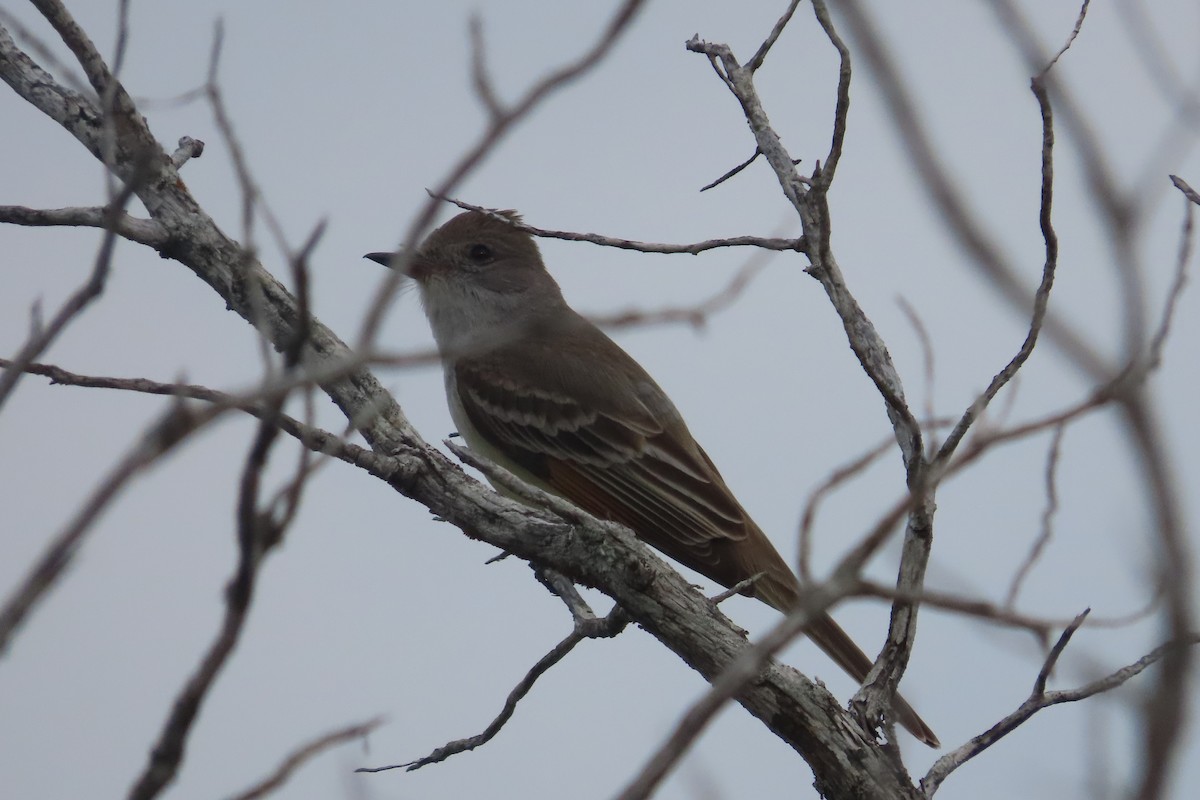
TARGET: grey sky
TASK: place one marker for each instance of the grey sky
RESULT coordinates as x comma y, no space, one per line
347,112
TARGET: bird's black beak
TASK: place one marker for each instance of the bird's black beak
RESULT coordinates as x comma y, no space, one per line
383,258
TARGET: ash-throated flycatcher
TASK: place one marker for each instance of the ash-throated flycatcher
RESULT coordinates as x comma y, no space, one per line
538,389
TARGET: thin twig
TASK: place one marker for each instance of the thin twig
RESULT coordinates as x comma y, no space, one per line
1188,192
79,300
305,753
480,77
258,533
927,356
1047,531
841,111
160,438
796,245
1039,699
135,229
696,315
314,438
1041,297
967,228
757,60
1159,340
736,589
836,478
733,171
610,626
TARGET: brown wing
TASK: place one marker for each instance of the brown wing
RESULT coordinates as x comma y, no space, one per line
617,457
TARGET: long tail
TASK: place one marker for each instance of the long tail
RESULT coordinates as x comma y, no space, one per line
779,589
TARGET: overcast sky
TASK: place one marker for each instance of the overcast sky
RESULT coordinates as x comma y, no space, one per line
347,112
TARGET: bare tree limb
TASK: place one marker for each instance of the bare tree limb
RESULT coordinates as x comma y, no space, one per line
1041,297
750,665
810,199
305,753
258,533
142,231
1039,699
81,298
757,60
732,172
642,247
695,315
610,626
160,438
312,437
1047,531
1188,192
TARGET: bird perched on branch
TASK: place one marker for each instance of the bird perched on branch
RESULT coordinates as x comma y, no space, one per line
539,390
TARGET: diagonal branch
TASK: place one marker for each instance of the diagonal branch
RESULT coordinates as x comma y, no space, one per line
1039,699
608,627
303,755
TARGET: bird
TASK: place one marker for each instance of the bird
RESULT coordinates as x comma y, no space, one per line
538,389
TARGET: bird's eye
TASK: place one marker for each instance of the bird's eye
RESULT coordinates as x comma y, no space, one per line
480,253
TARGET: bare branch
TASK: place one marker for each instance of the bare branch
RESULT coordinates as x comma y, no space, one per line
1187,190
81,47
47,56
305,753
258,533
927,357
757,60
968,606
814,599
952,206
188,149
610,626
841,111
142,231
812,208
1051,661
80,299
797,245
733,171
312,437
160,438
696,315
1047,531
736,589
1083,9
1159,340
810,199
836,478
479,71
1041,297
1040,699
564,589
